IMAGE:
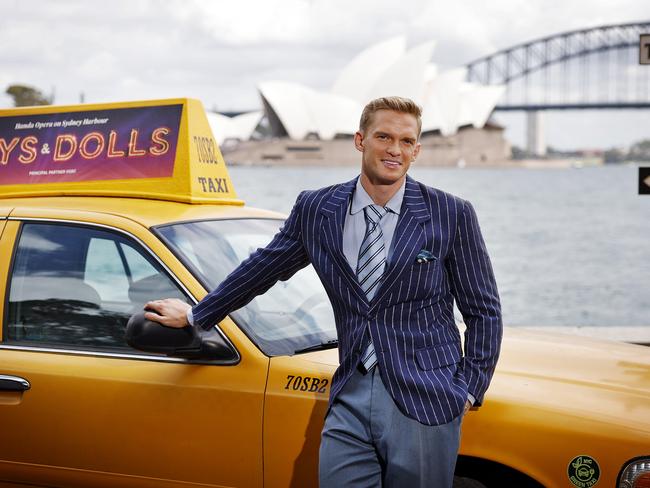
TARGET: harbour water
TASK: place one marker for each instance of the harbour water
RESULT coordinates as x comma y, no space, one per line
570,247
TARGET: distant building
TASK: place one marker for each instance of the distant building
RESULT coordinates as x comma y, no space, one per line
234,129
387,68
300,119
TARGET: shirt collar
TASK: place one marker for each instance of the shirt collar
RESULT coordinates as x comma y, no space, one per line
361,199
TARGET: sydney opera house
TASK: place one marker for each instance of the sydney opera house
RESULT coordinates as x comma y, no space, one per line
305,126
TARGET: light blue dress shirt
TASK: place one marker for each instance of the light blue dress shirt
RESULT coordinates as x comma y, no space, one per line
354,228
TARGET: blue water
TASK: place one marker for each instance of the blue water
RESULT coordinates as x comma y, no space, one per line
570,247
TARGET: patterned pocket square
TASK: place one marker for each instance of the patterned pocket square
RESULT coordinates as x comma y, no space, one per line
424,256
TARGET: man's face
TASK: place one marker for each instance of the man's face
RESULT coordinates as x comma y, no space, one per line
389,146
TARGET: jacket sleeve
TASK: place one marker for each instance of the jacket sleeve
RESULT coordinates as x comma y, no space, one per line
279,260
475,290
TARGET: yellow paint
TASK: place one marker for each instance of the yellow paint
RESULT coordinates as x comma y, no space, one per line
293,419
551,399
119,422
191,166
7,239
123,422
146,212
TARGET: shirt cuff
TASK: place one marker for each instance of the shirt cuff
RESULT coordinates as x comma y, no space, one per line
190,317
471,399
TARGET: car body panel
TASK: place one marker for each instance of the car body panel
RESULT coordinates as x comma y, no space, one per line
5,209
120,420
54,427
296,402
591,405
7,237
102,418
543,386
146,212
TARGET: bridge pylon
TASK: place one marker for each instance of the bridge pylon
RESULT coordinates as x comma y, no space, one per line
535,142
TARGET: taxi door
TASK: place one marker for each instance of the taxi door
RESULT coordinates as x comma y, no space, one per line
79,408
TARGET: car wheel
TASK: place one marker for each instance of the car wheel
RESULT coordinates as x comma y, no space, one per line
460,482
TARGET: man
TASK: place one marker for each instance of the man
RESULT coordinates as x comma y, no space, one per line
393,255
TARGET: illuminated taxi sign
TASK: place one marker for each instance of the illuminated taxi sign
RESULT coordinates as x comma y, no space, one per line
156,149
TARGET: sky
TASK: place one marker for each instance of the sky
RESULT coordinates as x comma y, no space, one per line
219,51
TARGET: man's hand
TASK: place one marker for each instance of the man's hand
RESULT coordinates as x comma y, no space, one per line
468,405
170,312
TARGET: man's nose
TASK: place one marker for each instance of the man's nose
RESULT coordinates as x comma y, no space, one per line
393,149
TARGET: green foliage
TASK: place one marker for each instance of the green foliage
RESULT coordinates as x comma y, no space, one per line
640,151
25,96
519,153
614,155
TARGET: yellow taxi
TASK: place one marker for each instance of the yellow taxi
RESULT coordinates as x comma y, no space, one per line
105,207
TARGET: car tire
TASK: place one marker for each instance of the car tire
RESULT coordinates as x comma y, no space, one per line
460,482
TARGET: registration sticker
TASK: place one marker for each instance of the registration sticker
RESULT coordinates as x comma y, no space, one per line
583,471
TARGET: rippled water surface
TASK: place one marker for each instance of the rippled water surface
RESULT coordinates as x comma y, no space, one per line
570,247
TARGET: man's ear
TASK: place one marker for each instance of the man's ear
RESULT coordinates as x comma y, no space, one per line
358,141
416,151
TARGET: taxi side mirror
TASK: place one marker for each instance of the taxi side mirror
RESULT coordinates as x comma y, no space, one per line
187,343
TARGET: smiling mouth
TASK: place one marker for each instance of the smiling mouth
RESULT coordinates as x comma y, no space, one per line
391,163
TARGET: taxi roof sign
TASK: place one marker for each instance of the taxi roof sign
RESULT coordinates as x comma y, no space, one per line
159,149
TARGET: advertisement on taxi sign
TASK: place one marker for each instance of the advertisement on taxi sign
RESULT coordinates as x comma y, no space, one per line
124,143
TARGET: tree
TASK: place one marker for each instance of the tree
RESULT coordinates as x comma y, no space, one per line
614,155
519,153
25,96
640,151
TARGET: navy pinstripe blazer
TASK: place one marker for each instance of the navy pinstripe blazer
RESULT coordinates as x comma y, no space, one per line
410,318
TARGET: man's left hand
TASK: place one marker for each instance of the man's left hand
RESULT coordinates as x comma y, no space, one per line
468,405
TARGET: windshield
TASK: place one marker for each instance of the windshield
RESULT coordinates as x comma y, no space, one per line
291,315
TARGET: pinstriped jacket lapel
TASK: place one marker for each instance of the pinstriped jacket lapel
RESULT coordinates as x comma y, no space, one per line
408,239
334,209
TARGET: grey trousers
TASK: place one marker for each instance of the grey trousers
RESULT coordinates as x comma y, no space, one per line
368,442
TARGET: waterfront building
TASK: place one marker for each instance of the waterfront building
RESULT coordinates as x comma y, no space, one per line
307,125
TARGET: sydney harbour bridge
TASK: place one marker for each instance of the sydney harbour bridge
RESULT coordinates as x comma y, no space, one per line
595,68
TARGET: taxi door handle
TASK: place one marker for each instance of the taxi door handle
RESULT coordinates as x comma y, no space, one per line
13,383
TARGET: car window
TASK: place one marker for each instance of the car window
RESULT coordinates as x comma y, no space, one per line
105,270
291,315
75,286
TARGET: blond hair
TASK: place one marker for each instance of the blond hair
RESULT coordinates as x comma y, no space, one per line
397,104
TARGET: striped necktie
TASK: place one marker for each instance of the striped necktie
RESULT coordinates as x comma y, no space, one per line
370,266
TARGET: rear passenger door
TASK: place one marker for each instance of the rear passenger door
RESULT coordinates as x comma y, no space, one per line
96,411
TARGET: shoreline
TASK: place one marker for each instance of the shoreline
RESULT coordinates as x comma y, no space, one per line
506,164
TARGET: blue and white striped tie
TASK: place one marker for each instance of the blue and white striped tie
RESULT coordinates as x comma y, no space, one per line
370,266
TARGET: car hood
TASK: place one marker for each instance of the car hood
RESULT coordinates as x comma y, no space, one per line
602,385
563,357
574,359
565,373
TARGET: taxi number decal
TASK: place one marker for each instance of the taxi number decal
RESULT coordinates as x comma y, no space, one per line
298,383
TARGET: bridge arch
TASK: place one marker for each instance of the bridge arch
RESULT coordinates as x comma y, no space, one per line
595,67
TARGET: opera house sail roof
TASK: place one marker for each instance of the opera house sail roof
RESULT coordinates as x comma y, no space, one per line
384,69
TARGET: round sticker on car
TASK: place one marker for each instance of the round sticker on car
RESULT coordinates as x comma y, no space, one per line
583,471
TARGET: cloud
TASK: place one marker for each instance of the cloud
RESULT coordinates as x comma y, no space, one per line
219,51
